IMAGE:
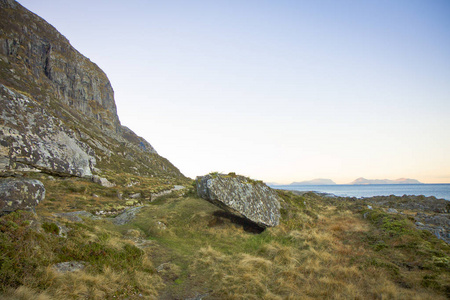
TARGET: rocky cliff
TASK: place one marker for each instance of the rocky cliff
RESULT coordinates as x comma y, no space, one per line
58,113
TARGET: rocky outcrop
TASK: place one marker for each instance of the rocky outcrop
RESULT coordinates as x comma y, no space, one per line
252,200
58,111
411,202
436,223
32,139
126,216
22,194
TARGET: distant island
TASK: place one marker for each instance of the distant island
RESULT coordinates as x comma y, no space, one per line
317,181
361,180
358,181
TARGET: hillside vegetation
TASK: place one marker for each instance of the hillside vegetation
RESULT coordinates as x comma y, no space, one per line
180,246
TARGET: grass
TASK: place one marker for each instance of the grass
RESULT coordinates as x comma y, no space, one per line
182,246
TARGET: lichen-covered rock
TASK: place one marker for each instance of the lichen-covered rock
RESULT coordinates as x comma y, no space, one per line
32,139
22,194
252,200
69,266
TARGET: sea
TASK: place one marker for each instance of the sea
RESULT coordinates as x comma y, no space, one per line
440,191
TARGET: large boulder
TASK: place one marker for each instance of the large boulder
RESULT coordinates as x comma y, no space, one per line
20,194
32,139
239,195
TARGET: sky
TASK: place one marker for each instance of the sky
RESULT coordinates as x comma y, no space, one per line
280,91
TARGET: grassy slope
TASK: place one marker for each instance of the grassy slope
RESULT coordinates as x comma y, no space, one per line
182,246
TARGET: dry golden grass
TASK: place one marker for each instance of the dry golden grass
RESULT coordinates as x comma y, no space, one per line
24,293
317,264
105,285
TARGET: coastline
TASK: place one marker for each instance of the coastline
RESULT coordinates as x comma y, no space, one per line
428,213
437,190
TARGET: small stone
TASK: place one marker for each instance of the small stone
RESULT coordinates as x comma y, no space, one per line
102,181
69,266
161,225
135,196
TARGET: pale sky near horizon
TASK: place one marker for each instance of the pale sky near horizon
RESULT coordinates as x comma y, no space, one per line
276,90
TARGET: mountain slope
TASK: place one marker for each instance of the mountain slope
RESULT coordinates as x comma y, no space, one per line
58,110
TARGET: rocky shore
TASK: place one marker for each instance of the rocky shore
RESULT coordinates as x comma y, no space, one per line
429,213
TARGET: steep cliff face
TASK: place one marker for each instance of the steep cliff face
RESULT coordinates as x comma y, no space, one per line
45,63
58,112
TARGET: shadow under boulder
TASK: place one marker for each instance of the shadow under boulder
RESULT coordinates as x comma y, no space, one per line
221,217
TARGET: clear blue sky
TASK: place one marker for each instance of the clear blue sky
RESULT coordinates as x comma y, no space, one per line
277,90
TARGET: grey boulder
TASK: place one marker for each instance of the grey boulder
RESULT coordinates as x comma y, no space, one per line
241,196
23,194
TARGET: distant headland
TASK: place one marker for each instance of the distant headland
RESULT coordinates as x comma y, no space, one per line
317,181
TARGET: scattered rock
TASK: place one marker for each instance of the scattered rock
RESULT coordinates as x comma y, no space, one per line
166,192
392,211
16,193
69,266
135,196
75,216
102,181
161,225
252,200
133,183
126,216
409,202
438,224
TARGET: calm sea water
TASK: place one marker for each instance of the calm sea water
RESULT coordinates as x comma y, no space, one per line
346,190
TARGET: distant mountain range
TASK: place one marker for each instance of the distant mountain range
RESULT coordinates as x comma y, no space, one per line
358,181
362,180
317,181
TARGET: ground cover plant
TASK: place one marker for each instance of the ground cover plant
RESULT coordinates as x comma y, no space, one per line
180,246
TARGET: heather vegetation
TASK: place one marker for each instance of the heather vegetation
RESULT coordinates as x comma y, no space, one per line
180,246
